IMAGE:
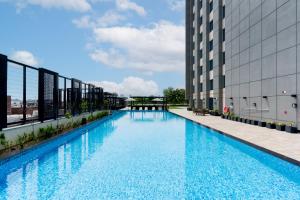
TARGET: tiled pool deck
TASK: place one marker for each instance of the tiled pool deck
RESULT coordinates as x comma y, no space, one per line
281,144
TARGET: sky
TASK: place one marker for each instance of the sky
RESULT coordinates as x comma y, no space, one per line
132,47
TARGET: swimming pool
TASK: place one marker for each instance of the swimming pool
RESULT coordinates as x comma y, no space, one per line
147,155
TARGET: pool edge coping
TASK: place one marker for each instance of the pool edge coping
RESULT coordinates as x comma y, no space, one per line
274,153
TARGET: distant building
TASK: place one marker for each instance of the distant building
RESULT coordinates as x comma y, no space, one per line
205,53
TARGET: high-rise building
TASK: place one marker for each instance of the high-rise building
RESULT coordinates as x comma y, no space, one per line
205,56
262,57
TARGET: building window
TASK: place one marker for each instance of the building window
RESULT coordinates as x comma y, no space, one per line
201,20
211,26
210,65
223,9
200,53
222,81
200,4
223,58
211,84
201,87
210,45
201,37
223,35
210,6
200,70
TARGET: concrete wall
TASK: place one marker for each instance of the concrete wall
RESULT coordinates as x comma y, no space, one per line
11,134
262,59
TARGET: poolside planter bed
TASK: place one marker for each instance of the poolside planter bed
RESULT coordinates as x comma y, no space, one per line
291,129
254,122
262,124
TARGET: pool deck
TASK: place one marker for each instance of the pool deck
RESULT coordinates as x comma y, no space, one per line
281,144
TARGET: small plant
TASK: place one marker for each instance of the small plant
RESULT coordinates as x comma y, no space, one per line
280,126
21,140
68,125
31,137
90,118
291,124
291,127
68,115
61,128
3,140
47,132
76,124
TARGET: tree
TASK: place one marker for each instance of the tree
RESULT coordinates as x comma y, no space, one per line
175,96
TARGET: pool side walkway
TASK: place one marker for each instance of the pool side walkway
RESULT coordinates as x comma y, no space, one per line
281,144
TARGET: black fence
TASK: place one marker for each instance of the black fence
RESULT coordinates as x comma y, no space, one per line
29,94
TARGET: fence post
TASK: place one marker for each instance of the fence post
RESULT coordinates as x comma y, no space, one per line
24,95
3,91
41,99
55,96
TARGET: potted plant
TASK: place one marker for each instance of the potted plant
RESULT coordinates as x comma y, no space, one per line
262,124
271,125
241,119
254,122
248,121
291,128
280,126
216,112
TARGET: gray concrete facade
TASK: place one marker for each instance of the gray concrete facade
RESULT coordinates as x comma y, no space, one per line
205,67
263,59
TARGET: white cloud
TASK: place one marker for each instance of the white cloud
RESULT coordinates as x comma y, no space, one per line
128,5
177,5
108,19
25,57
160,48
84,22
75,5
130,86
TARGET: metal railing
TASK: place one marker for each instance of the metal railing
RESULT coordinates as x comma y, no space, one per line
29,94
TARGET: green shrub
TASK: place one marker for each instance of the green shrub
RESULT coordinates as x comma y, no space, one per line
84,106
68,115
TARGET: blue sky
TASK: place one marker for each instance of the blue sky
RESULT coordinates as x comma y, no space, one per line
133,47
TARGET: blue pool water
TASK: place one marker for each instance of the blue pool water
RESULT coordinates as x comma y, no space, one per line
147,155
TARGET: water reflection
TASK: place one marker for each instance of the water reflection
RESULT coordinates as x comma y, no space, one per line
40,178
150,116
